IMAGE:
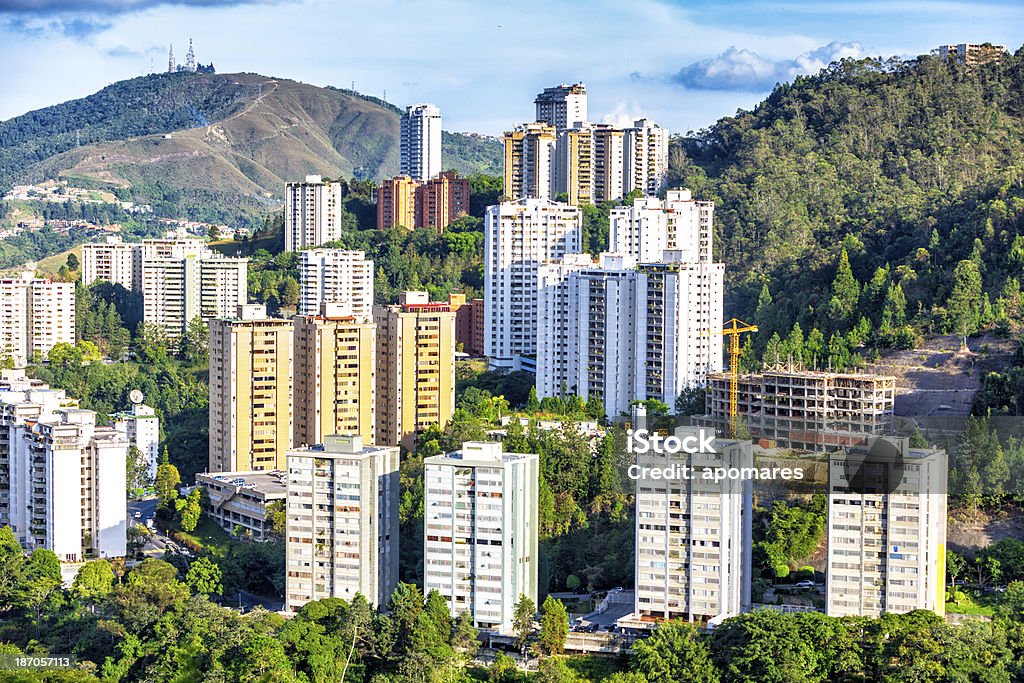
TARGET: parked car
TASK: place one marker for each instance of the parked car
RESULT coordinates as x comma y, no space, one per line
805,584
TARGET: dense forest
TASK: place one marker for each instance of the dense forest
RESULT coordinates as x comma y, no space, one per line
157,621
877,200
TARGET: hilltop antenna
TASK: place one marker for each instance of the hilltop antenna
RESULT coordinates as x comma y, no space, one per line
385,95
78,138
353,86
152,66
170,59
190,57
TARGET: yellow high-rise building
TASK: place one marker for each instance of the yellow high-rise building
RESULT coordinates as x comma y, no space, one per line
250,391
415,368
529,156
334,377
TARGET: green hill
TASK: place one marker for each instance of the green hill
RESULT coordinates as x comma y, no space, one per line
214,146
910,167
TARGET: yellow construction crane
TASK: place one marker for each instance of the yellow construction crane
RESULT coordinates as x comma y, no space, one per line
733,329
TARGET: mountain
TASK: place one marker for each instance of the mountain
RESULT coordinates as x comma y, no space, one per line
215,146
875,201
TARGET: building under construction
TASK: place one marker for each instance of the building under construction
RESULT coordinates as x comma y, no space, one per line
803,409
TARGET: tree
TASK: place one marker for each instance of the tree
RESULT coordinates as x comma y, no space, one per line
95,581
963,310
522,620
136,470
465,637
894,312
190,509
956,565
845,291
555,670
195,343
72,261
554,626
532,403
676,652
166,483
276,518
503,670
204,577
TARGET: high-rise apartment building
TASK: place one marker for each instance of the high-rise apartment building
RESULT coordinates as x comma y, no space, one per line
693,535
415,367
645,157
651,225
574,166
342,522
519,237
334,376
250,391
588,165
480,531
435,203
35,314
529,161
312,213
141,427
339,277
622,332
396,203
563,106
441,200
176,290
64,483
109,261
973,54
121,262
419,152
886,530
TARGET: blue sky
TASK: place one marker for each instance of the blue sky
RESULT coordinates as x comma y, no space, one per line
682,64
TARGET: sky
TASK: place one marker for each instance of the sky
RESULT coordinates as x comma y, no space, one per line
682,64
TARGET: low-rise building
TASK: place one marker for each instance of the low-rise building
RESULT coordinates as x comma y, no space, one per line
238,501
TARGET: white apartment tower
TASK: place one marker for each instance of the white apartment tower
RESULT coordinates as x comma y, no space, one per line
693,536
519,237
419,154
109,261
65,484
141,427
563,106
35,314
645,151
622,332
339,277
342,521
480,531
177,289
312,213
651,225
886,530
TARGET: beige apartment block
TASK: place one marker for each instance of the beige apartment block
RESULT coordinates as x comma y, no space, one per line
415,367
334,377
250,391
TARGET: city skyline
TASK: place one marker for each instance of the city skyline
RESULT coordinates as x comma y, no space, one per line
732,55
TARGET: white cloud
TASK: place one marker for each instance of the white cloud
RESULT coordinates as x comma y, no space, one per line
747,71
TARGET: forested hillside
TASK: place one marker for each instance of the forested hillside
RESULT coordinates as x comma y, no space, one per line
875,201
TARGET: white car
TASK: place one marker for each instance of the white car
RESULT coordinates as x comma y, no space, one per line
805,584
